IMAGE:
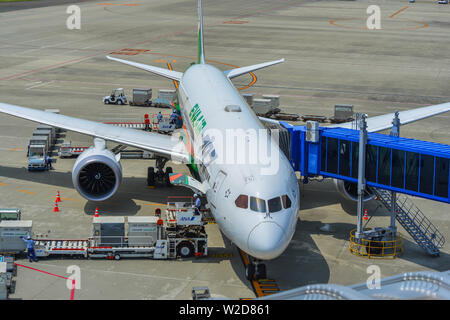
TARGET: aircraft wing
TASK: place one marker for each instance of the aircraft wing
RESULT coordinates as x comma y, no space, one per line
167,146
383,122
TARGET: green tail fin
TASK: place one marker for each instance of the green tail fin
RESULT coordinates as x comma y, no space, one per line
201,47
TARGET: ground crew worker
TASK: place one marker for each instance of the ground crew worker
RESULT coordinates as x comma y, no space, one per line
159,117
30,248
198,204
173,117
49,162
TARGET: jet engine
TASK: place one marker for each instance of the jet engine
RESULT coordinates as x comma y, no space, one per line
350,190
97,173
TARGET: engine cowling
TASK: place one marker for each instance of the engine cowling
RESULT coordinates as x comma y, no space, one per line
350,190
97,173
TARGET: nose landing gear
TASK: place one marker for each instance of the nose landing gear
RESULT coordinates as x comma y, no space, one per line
255,270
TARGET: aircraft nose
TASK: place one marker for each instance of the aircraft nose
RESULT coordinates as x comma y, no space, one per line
266,240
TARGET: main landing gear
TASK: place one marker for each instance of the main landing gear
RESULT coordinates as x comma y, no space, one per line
255,270
159,178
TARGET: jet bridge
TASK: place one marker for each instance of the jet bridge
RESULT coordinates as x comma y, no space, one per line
414,167
393,164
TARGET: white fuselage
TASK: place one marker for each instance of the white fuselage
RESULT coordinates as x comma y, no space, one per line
263,231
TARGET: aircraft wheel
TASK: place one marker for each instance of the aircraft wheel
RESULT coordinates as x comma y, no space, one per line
151,176
117,256
250,272
185,249
119,102
106,101
168,171
261,272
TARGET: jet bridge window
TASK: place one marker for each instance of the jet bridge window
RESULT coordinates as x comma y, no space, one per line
384,166
274,204
258,205
242,201
371,163
355,159
426,173
286,201
412,171
332,155
344,158
398,168
441,183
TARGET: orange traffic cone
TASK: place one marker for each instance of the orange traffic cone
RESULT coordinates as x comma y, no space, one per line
365,215
56,209
58,198
96,213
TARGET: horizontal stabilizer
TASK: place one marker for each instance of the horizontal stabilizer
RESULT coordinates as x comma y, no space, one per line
240,71
179,179
174,75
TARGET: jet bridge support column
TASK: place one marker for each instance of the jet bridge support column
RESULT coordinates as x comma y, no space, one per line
395,132
361,173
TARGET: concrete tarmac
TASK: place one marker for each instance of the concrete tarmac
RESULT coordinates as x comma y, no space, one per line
331,57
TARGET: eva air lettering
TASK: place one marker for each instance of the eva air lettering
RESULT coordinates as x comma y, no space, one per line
197,119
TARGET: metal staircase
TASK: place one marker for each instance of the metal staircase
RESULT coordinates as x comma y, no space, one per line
413,221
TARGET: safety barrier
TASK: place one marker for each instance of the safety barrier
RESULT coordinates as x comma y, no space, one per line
376,248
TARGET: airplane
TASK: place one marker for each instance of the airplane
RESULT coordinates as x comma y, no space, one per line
257,212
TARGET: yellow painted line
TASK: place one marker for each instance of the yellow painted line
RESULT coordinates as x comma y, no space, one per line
68,199
235,22
150,187
401,10
130,4
25,191
15,149
156,204
2,184
175,83
106,4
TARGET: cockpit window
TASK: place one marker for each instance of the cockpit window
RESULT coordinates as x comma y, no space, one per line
286,201
274,204
258,205
242,201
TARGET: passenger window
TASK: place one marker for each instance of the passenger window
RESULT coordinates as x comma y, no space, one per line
242,201
274,204
257,204
286,201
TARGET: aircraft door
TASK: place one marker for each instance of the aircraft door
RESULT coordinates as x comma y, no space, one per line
219,181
